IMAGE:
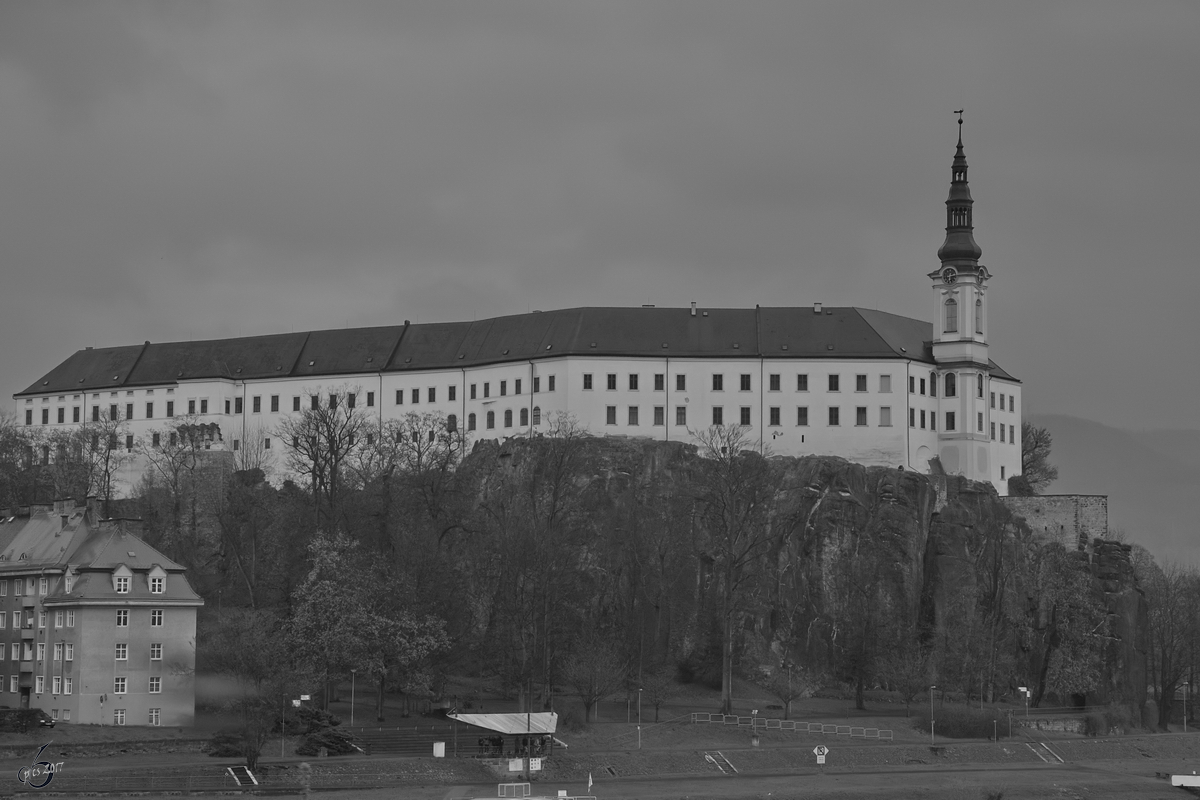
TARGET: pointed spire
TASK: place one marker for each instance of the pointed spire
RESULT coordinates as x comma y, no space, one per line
959,249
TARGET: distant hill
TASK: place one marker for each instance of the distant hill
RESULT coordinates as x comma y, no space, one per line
1152,479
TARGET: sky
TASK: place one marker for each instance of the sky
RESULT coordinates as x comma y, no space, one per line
193,170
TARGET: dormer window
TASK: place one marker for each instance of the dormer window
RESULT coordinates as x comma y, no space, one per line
122,584
156,585
68,582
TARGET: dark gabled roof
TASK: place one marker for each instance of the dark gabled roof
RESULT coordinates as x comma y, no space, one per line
777,332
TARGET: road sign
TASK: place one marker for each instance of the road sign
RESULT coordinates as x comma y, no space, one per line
820,759
820,750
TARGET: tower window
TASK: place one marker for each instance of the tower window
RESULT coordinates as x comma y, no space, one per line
979,316
951,315
951,385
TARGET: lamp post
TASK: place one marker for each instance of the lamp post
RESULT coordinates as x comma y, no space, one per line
639,705
353,672
1185,705
931,739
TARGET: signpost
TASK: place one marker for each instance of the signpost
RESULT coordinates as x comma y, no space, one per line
821,751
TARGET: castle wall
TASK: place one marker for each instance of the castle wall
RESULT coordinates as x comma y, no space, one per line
1076,519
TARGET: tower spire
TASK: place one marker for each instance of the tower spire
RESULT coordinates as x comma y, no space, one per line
959,250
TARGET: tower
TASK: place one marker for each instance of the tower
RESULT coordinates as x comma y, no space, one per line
960,324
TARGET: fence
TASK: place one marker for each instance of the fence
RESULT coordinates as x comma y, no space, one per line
770,724
221,782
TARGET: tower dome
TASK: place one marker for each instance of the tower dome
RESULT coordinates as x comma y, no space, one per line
959,250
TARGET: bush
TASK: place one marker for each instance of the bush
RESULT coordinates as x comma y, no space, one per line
227,744
963,722
1107,720
337,742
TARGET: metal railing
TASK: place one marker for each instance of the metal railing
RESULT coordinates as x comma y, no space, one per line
771,724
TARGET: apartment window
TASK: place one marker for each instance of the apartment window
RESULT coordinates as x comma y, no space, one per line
503,388
58,651
43,585
123,618
659,381
834,416
834,383
681,383
491,420
508,418
517,386
3,588
122,652
773,383
119,688
16,652
993,431
56,688
156,618
156,651
912,385
154,716
773,415
1002,432
155,685
587,381
718,416
156,584
550,383
487,389
951,315
42,616
885,383
12,684
70,614
612,382
681,415
122,585
415,395
744,415
119,713
451,392
860,383
659,415
524,417
471,421
68,655
718,383
744,383
610,415
633,382
950,421
912,418
951,385
633,415
66,713
860,415
801,383
18,587
39,684
41,651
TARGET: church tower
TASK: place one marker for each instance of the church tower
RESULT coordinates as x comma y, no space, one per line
960,344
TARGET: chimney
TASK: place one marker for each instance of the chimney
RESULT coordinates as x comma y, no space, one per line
816,308
693,308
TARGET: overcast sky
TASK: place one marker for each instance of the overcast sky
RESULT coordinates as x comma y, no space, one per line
200,170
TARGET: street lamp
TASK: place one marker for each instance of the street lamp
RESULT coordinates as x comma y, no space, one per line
1185,699
931,739
639,705
353,672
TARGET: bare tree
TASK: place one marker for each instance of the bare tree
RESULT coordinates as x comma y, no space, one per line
735,489
1036,471
594,670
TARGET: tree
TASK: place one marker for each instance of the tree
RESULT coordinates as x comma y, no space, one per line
734,492
1173,594
658,686
594,670
790,682
1036,471
1069,623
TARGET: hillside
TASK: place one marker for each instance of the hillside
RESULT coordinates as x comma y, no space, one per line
1151,479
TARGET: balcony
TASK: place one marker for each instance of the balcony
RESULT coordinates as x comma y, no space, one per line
29,600
27,665
28,632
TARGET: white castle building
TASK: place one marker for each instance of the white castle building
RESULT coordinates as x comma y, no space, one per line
866,385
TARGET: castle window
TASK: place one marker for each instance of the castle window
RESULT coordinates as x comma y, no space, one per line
979,316
451,391
951,315
802,416
503,388
587,381
470,422
745,415
718,383
860,416
612,381
979,386
681,383
773,411
885,383
950,421
452,423
773,383
633,415
979,424
491,420
993,431
524,417
745,383
933,384
633,382
834,383
610,415
659,381
834,417
1002,473
415,395
718,415
922,419
681,415
537,415
912,418
508,418
801,383
860,383
951,385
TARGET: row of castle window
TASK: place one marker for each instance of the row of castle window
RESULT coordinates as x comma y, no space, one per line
745,383
774,416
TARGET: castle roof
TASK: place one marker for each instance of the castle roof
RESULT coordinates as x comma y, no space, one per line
771,332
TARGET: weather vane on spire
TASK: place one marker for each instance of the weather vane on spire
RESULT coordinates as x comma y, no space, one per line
960,113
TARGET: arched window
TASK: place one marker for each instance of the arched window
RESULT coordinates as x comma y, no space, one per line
951,315
452,423
933,382
470,422
524,417
491,420
508,418
951,385
537,415
979,315
979,385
